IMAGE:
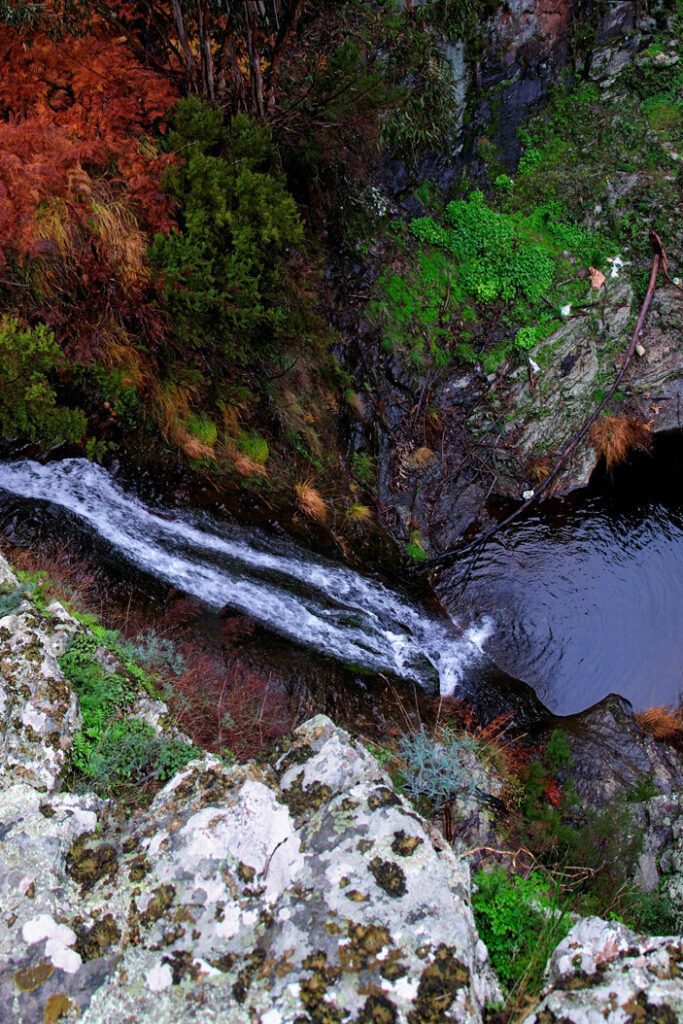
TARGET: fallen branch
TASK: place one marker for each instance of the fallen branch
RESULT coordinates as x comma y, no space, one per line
659,261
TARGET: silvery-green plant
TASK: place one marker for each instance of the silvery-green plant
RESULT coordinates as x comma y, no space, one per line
438,769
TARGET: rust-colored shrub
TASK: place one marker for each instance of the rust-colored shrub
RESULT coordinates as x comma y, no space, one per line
614,437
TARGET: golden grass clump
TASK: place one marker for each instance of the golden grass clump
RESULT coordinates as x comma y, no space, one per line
615,436
116,229
311,503
356,404
243,464
357,513
172,405
194,447
420,459
663,723
538,469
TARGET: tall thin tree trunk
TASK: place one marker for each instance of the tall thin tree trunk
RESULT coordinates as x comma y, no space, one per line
286,29
182,35
203,18
254,58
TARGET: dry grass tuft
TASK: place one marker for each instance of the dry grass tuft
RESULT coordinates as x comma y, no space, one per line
539,469
242,463
663,723
116,231
172,405
420,459
232,413
356,404
615,436
357,513
192,446
311,503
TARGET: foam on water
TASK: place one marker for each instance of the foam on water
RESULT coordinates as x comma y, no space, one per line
315,602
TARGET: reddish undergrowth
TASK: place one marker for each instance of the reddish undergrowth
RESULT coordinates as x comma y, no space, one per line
221,700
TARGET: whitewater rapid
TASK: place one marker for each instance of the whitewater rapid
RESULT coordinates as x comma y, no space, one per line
310,600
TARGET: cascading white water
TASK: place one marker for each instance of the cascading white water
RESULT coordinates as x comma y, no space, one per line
313,601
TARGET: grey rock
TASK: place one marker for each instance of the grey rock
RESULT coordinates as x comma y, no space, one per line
39,713
612,754
603,972
269,893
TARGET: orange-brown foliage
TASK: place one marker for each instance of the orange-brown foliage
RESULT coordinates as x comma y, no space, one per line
662,722
615,436
80,181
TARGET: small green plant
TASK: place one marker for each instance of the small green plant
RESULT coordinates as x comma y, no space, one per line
521,922
558,753
11,598
113,748
253,445
643,790
504,183
28,401
153,652
363,468
414,549
203,428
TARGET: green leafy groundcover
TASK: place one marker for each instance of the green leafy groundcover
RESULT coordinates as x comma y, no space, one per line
521,923
482,256
113,748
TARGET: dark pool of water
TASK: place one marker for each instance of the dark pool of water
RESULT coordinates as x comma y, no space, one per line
587,593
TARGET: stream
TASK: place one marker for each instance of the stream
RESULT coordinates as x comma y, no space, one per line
312,601
580,599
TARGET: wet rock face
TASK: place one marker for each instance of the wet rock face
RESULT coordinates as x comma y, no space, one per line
611,754
603,971
520,51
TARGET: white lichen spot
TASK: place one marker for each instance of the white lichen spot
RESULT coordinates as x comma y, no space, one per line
45,927
155,844
205,968
229,925
66,959
36,719
406,988
271,1017
159,978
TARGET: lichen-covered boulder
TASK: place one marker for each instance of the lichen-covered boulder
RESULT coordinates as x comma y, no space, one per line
39,714
302,890
39,962
604,972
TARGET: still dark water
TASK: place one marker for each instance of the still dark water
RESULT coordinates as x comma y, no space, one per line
586,595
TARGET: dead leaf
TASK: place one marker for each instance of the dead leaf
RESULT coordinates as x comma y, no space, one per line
597,278
553,793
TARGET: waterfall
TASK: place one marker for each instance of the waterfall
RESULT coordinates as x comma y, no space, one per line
306,598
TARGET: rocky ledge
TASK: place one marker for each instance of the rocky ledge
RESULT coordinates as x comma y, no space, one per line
300,890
